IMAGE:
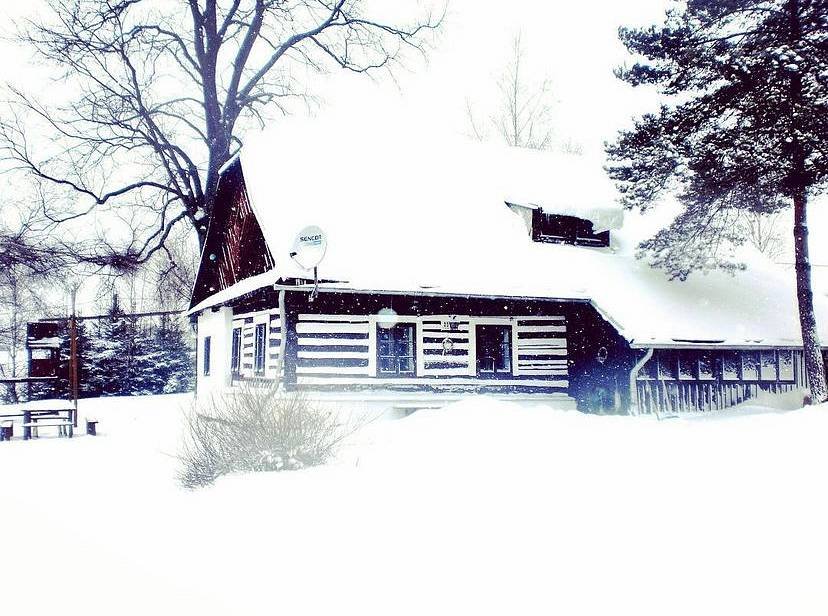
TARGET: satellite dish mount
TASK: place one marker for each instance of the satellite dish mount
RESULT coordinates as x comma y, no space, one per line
308,251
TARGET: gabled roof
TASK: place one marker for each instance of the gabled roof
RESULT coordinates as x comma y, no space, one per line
405,212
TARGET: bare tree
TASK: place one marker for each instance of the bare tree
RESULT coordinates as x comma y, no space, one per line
764,231
173,272
21,300
20,247
523,114
165,90
29,263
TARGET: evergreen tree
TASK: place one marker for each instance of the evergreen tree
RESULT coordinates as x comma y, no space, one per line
176,363
111,359
746,130
128,358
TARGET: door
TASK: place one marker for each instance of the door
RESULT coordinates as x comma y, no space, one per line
494,351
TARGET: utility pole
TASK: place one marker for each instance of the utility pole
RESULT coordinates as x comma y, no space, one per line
73,353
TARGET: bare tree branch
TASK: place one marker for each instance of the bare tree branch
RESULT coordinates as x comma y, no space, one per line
162,98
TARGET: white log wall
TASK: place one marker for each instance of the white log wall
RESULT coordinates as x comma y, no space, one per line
342,350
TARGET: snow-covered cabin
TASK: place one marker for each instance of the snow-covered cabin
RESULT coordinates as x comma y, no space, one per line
456,267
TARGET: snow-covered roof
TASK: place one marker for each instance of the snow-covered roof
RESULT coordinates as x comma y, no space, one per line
405,212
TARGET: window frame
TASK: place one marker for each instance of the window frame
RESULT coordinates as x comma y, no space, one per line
397,373
206,351
259,349
792,355
566,229
757,366
732,358
774,363
236,350
507,346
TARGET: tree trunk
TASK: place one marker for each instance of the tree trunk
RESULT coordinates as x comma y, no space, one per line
814,364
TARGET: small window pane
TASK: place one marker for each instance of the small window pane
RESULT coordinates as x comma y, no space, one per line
706,367
387,364
235,353
730,366
207,341
648,370
406,365
786,370
259,349
768,365
687,366
504,360
667,363
750,366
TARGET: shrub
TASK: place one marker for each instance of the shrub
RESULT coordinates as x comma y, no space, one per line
257,429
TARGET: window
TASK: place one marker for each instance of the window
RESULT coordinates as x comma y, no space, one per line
260,342
235,350
494,350
667,363
706,367
687,368
206,355
395,350
768,365
557,229
750,366
786,369
730,366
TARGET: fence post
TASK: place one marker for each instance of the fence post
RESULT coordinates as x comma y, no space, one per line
73,357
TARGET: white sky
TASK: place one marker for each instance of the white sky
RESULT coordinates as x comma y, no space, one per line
573,43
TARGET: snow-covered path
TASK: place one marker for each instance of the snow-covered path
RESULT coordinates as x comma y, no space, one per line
482,507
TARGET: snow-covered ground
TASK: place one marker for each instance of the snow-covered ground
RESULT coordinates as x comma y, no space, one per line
482,507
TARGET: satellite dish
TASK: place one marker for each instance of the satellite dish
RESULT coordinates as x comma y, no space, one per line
309,247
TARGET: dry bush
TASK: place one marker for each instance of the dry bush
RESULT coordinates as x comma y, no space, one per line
257,429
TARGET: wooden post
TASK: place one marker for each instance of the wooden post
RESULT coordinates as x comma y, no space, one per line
73,358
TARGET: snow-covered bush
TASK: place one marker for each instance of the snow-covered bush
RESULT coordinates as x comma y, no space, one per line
257,429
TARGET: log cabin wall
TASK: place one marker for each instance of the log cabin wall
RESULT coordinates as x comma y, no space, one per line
342,350
339,341
564,347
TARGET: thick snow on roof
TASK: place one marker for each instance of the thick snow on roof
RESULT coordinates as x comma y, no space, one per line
401,208
406,212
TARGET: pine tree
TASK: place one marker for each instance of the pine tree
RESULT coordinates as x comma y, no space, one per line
746,130
176,363
110,367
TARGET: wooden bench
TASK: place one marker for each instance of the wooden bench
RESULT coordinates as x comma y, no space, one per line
64,426
33,414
